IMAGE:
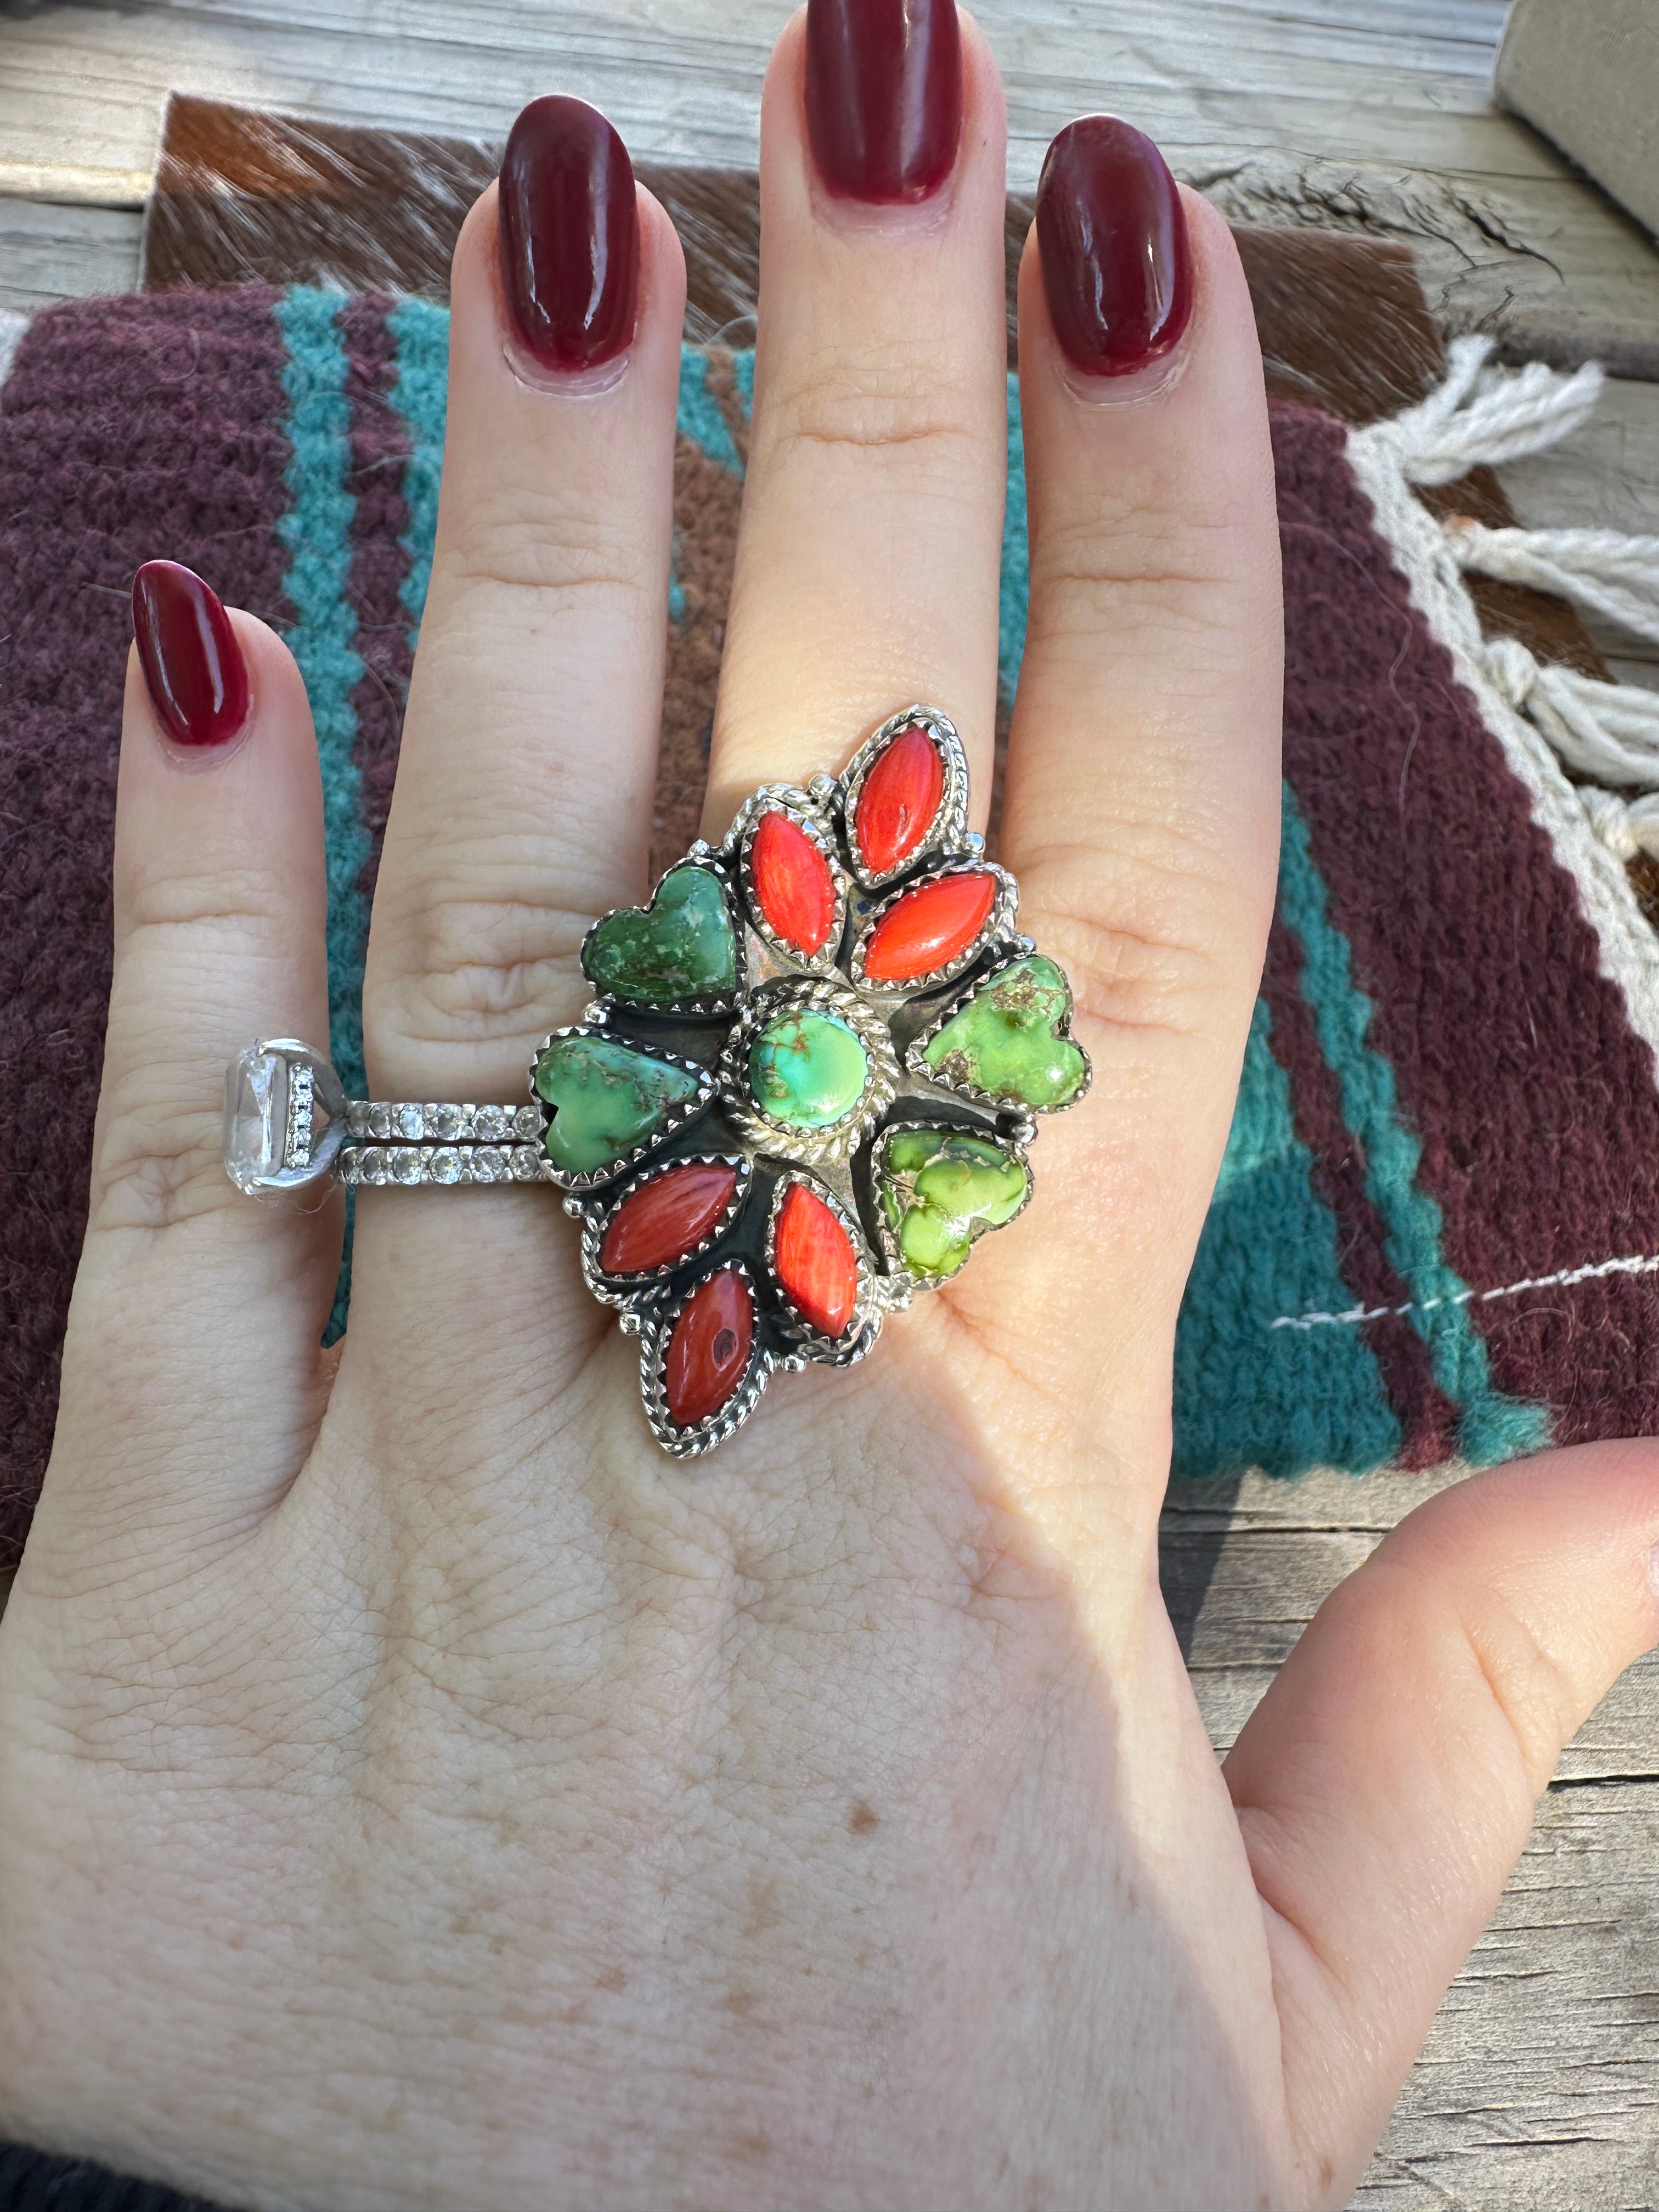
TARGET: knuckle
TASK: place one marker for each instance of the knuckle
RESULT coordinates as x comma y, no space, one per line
481,971
901,407
157,1163
524,543
1136,922
1531,1693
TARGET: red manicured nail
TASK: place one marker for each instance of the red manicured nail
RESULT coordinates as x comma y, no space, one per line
884,96
570,226
193,664
1112,232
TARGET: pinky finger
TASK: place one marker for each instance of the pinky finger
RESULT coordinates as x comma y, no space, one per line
193,1378
1385,1785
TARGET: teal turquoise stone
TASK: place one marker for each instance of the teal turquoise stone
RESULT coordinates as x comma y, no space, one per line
1005,1042
807,1070
681,947
940,1188
606,1097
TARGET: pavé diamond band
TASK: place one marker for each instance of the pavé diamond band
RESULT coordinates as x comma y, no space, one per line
805,1091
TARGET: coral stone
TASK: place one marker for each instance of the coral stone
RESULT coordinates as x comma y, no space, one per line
928,927
794,887
898,800
813,1258
666,1218
807,1070
709,1350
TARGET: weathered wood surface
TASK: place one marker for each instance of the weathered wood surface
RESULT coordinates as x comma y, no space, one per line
1538,2089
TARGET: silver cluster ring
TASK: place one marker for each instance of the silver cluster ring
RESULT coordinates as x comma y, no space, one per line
806,1087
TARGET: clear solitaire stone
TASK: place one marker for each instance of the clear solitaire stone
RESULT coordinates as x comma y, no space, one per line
379,1119
444,1121
491,1123
406,1164
374,1167
255,1127
357,1118
488,1165
527,1123
444,1165
526,1164
410,1122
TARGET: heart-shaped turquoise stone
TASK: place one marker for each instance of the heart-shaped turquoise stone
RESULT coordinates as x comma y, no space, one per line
681,947
607,1099
940,1188
1005,1043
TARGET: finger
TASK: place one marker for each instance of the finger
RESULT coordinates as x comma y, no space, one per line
865,576
522,806
1385,1785
1142,799
191,1369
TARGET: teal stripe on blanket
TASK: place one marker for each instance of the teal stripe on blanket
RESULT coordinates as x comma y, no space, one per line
1494,1426
317,531
420,393
1284,1400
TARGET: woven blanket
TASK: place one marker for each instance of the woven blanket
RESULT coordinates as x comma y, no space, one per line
1436,1226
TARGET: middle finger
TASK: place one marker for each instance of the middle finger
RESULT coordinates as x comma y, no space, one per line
868,564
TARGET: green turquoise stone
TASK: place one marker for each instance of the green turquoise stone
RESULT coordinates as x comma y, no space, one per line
606,1098
1005,1043
808,1070
680,946
939,1189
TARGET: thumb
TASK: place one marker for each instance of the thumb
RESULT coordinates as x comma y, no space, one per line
1385,1785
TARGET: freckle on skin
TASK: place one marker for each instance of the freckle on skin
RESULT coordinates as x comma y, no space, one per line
862,1817
612,1978
739,2002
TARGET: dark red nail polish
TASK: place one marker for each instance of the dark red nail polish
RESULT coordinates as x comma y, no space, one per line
1112,232
570,226
884,96
193,664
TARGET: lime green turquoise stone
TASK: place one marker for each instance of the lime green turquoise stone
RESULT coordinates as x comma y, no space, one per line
807,1070
1005,1040
940,1188
680,946
606,1098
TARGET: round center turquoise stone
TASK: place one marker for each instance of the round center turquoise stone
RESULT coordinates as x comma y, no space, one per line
807,1070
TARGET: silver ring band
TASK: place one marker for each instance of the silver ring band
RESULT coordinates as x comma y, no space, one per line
289,1125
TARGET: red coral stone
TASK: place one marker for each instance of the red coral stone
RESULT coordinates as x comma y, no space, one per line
928,927
814,1261
709,1350
792,884
898,800
666,1218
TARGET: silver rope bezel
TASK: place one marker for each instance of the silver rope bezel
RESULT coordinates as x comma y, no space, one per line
677,1118
773,1002
625,1292
949,827
656,1324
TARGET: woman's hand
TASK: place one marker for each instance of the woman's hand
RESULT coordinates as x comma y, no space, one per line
419,1791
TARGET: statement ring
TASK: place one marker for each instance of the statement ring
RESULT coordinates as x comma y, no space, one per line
806,1087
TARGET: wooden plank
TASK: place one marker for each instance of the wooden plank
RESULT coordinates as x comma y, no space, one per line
49,253
1304,114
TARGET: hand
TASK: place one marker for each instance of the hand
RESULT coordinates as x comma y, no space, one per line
417,1791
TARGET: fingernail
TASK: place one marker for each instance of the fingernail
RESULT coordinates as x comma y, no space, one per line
1112,233
193,664
569,224
884,96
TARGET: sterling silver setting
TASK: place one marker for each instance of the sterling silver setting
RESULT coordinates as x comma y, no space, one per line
649,1086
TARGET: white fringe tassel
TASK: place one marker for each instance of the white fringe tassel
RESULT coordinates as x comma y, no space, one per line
1481,416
